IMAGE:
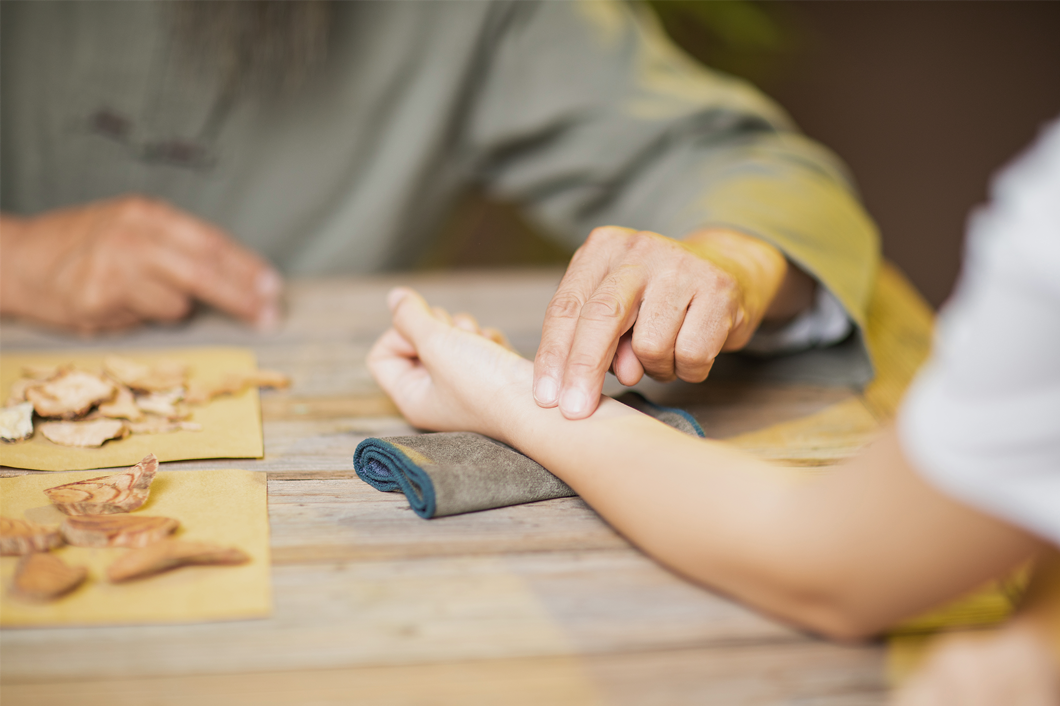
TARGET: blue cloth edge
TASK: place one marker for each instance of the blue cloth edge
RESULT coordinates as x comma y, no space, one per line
374,454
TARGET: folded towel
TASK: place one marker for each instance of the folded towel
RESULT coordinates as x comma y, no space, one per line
451,473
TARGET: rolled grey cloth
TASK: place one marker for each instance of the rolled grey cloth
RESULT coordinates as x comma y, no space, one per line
451,473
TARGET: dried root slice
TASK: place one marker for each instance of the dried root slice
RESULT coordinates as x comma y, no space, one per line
44,577
160,425
16,423
106,495
162,375
17,395
85,434
116,530
164,404
70,395
123,406
170,554
233,384
23,537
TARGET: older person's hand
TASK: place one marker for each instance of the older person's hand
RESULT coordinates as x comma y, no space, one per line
117,263
639,302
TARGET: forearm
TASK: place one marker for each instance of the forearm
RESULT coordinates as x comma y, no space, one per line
826,554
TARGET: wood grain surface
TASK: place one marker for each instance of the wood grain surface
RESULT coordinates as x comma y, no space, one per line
542,603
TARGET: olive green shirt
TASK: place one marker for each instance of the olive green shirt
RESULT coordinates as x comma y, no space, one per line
581,111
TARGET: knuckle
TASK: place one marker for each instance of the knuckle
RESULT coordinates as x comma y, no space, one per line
605,306
563,307
652,349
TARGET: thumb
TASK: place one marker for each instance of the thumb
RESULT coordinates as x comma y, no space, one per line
411,315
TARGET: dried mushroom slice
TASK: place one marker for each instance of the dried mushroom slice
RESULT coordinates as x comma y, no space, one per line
170,554
45,577
23,537
16,423
85,434
162,375
233,384
70,395
106,495
116,530
160,425
123,406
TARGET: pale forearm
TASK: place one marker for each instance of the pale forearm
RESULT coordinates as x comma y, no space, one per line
826,554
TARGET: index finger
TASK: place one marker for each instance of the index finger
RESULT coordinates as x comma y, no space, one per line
609,312
561,321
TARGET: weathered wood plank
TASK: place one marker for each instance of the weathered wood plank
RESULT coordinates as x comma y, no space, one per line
810,673
346,614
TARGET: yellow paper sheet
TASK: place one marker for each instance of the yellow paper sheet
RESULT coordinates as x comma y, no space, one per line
231,426
226,507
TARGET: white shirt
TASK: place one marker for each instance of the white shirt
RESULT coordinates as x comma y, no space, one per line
982,420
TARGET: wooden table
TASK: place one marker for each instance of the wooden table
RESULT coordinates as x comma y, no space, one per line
538,604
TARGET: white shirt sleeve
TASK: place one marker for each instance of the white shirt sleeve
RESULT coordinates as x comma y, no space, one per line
982,420
823,324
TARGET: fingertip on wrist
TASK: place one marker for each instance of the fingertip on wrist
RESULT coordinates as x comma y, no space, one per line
574,403
546,391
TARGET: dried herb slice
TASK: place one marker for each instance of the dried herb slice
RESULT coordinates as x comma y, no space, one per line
45,577
170,554
16,423
70,395
106,495
116,530
23,537
90,433
158,377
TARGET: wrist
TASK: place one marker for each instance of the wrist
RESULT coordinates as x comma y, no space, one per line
774,289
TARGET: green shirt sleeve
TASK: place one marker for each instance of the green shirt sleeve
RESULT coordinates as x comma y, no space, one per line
589,116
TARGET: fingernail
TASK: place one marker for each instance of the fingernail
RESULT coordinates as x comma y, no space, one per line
545,391
269,283
268,319
573,403
394,297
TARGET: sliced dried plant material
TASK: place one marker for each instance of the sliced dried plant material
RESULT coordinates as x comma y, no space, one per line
161,375
22,537
160,425
88,434
234,383
44,577
16,423
123,406
164,404
106,495
70,395
17,395
116,530
169,554
41,372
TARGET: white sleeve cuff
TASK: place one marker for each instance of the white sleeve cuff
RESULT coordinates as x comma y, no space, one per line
823,324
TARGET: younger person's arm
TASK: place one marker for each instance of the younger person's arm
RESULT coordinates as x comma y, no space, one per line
845,555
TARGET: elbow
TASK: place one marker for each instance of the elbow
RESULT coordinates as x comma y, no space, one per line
838,623
832,609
